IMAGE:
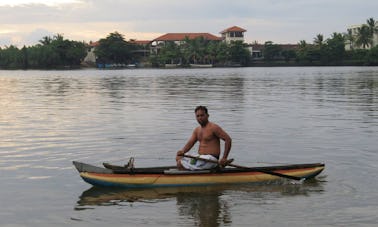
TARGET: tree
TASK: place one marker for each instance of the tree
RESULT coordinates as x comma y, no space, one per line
372,56
271,51
11,58
319,39
335,48
302,50
319,49
114,49
372,26
25,63
289,54
350,37
239,53
195,50
46,40
222,53
364,37
169,54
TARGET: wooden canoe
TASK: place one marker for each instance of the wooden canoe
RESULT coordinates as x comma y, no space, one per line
169,176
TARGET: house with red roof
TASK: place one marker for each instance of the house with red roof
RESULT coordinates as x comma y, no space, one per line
90,59
233,33
180,37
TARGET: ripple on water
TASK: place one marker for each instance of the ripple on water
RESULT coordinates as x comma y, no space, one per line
275,115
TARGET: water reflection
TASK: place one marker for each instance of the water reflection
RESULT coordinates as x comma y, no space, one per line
60,86
205,205
173,87
206,208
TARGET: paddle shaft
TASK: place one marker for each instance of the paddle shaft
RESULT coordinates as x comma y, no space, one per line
244,167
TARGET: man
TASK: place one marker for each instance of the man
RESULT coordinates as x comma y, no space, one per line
209,135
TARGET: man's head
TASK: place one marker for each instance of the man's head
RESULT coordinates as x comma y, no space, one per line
202,115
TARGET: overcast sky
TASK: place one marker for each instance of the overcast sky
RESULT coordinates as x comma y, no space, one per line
24,22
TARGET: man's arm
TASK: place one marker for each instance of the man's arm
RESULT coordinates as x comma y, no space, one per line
227,143
192,140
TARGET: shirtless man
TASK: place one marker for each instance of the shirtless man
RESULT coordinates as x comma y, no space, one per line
209,135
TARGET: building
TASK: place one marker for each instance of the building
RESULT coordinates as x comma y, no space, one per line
233,33
90,59
228,35
179,38
353,31
144,51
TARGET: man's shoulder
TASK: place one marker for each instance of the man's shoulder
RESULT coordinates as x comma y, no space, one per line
196,129
214,125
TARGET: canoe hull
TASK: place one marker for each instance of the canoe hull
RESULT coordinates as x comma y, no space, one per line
98,176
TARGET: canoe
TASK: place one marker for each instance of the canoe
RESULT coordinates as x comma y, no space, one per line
201,65
169,176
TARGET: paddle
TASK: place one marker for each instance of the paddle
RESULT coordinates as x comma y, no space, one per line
254,169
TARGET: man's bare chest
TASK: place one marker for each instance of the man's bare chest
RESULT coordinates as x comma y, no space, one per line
205,135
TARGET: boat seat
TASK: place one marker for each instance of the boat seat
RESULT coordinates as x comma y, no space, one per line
179,172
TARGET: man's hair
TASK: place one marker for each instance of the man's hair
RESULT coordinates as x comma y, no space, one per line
203,108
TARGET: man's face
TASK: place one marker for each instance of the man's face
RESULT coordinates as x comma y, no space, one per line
202,117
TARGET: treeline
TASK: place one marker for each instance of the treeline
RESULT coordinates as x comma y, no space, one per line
114,49
202,51
50,52
320,53
332,52
58,52
329,51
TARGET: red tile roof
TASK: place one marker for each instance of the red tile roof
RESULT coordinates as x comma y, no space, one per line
140,42
182,36
233,29
94,44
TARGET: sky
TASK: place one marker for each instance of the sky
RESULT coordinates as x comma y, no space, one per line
25,22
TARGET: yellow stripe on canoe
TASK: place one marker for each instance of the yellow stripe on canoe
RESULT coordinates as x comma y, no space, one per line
208,178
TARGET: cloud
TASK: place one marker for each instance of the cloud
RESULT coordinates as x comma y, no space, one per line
280,21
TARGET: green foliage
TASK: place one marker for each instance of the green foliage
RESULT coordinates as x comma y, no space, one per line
114,49
201,51
239,53
364,37
330,52
334,50
55,52
372,56
11,58
58,52
271,51
170,54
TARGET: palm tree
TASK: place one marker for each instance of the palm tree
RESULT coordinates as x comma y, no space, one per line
350,37
302,50
373,28
364,37
46,40
302,43
319,39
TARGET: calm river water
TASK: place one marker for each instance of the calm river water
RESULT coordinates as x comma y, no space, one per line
274,115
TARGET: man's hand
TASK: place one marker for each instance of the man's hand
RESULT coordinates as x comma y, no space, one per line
224,162
179,155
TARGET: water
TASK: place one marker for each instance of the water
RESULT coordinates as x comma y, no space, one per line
276,115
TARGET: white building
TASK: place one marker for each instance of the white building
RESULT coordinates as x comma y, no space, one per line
354,32
234,33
